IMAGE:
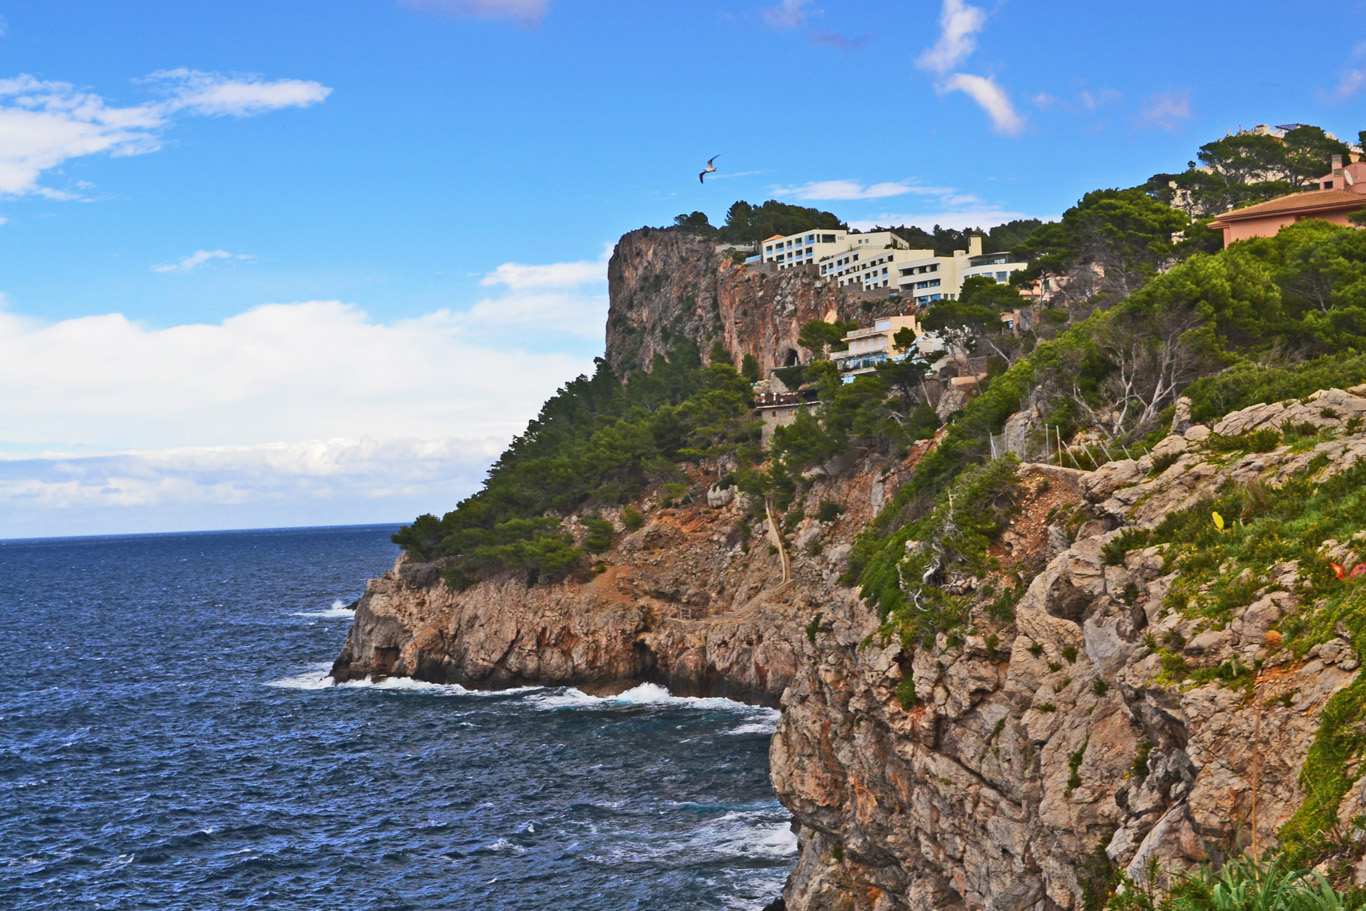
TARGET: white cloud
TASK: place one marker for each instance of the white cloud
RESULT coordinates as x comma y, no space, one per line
991,98
199,258
527,12
1166,111
788,14
849,189
311,482
1352,82
285,414
279,372
45,124
238,96
959,25
520,277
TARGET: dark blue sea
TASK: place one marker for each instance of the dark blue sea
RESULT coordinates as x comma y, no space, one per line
169,740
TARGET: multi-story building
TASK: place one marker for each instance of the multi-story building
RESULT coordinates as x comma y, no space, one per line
882,260
843,253
1342,193
932,278
869,347
806,248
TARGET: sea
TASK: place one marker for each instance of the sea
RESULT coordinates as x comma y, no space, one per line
170,739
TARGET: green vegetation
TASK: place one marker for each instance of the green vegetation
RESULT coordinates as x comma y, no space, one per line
901,580
597,442
1247,169
1074,769
1241,884
829,511
821,337
905,692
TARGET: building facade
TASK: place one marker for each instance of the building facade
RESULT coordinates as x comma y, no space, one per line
1342,193
866,348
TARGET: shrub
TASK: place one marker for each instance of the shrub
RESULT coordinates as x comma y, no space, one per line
829,511
600,533
814,627
905,692
632,519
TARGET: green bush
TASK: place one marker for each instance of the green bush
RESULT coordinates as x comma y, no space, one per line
829,511
631,519
597,442
600,534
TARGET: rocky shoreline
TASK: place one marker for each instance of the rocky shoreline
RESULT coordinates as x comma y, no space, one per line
1018,766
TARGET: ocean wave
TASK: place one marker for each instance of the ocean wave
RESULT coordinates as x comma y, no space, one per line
737,834
762,726
338,611
646,694
317,677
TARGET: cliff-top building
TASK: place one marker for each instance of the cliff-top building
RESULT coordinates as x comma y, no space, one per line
881,260
1341,193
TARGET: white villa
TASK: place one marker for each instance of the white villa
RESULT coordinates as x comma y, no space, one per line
882,260
869,347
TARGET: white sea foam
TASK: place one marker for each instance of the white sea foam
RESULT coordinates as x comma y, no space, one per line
764,726
317,677
646,694
337,611
743,838
407,685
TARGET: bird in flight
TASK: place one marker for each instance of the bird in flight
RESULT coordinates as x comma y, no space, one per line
708,169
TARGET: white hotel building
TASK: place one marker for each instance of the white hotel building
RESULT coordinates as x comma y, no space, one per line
881,260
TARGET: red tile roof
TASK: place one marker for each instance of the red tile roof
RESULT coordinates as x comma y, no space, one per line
1313,200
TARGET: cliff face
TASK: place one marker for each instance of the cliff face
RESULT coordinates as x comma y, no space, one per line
694,600
1039,755
1032,767
666,286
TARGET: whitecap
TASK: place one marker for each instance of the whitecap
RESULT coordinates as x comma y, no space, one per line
647,694
766,726
773,840
317,677
339,610
406,685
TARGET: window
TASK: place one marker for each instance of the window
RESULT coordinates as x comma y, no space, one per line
1002,276
827,238
883,325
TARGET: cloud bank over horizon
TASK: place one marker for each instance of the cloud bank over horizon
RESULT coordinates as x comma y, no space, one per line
305,409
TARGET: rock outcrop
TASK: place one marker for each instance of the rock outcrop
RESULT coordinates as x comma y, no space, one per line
1030,769
667,286
1017,764
693,600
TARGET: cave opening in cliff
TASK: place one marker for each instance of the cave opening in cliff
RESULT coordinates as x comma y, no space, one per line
790,358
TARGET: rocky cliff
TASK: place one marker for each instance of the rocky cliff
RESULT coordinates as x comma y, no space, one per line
1120,717
1032,768
694,600
666,286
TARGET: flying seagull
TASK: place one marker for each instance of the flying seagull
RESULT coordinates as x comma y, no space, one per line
708,169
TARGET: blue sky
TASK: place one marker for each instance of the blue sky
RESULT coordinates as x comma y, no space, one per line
315,262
